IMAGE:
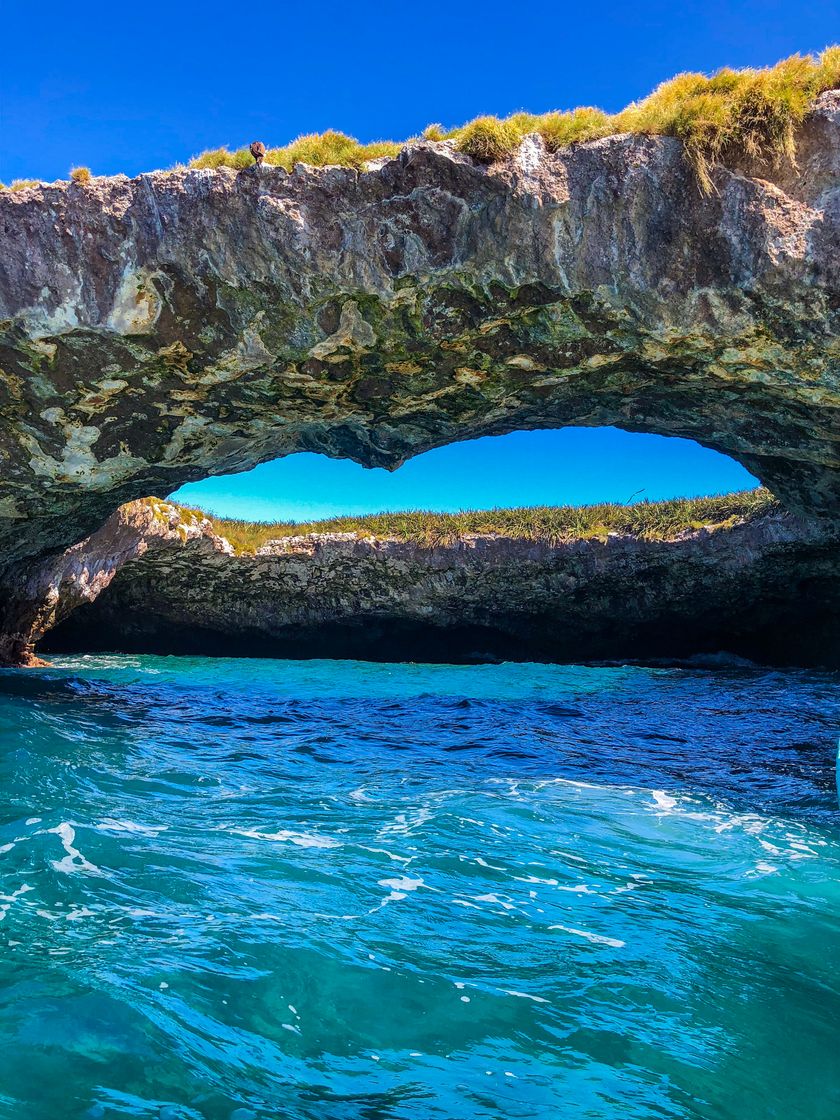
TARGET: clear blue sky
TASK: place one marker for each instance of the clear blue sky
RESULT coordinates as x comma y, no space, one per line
568,467
131,87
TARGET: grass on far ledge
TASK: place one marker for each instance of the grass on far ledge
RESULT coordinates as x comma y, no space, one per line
732,114
553,524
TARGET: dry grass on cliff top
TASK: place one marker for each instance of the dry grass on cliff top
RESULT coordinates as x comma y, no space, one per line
730,115
553,524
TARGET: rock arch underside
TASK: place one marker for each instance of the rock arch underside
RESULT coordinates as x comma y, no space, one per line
157,330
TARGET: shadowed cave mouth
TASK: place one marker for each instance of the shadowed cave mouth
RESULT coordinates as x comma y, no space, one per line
643,599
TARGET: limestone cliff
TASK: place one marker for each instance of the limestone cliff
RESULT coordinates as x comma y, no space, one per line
159,579
159,329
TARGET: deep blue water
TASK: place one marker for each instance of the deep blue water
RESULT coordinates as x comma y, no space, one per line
346,891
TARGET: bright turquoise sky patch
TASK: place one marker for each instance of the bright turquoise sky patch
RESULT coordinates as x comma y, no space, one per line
572,466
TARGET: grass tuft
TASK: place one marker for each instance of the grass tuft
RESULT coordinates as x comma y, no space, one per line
489,139
551,524
829,63
24,184
559,130
324,149
327,149
735,113
222,157
80,174
434,132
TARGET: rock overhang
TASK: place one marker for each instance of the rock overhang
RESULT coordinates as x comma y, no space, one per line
187,323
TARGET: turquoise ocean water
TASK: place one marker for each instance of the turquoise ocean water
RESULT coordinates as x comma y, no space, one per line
343,891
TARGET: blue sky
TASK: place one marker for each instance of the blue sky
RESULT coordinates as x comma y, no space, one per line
572,466
128,88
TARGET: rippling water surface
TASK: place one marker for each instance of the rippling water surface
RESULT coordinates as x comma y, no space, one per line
344,891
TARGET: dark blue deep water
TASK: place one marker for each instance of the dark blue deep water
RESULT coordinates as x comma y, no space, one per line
342,891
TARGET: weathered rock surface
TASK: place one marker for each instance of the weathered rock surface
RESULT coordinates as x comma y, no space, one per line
766,588
185,323
53,587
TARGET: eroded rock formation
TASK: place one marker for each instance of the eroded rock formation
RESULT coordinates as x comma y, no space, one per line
156,579
48,590
179,324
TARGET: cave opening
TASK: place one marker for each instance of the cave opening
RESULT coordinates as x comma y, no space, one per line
758,589
572,466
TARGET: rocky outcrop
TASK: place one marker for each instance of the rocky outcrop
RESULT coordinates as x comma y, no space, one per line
54,587
156,579
180,324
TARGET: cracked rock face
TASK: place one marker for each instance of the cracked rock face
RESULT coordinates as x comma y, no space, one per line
155,579
160,329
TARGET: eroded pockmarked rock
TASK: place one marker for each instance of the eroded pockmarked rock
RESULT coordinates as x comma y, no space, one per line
185,323
49,590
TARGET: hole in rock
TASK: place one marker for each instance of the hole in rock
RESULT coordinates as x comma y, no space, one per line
569,466
529,587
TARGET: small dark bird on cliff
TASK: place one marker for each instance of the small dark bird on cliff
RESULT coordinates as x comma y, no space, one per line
257,150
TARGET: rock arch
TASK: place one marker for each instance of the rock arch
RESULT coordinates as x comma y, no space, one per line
187,323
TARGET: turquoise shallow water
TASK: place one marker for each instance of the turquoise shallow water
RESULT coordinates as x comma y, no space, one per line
345,891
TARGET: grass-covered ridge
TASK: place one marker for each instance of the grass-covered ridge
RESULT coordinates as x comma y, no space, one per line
662,520
732,114
724,117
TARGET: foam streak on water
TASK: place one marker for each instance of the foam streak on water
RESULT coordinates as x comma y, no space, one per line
345,891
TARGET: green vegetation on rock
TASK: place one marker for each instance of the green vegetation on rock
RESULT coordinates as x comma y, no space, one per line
23,184
318,149
750,113
662,520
